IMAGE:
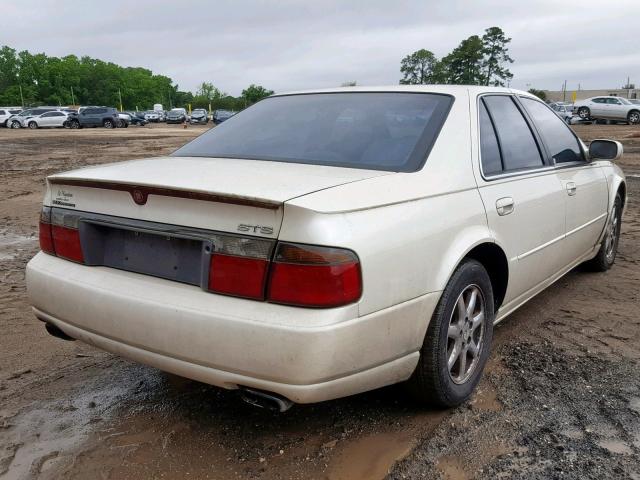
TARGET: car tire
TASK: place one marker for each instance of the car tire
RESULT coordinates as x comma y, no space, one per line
634,117
15,124
443,376
32,125
107,124
584,113
74,124
606,255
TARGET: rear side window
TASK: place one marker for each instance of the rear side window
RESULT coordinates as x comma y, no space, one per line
489,148
101,110
561,142
517,143
2,112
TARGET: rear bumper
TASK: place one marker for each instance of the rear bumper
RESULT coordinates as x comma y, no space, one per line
305,355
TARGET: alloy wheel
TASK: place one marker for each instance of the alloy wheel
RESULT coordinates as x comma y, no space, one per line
612,235
465,334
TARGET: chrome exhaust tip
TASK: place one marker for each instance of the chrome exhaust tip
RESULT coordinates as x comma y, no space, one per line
266,400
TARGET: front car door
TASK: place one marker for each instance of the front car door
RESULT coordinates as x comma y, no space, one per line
585,184
522,195
617,110
46,119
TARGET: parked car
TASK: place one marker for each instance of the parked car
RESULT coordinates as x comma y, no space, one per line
53,119
635,101
137,118
200,116
608,108
564,111
106,117
124,119
379,237
177,115
220,116
21,119
6,113
152,116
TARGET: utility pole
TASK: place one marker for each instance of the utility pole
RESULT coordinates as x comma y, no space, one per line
564,91
73,99
120,96
21,97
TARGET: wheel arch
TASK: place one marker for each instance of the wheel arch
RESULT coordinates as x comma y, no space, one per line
494,260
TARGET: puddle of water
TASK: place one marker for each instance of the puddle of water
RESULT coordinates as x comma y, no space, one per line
372,456
487,400
615,446
11,244
452,469
46,434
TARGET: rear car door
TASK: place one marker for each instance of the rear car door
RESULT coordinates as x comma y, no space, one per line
585,185
598,107
522,194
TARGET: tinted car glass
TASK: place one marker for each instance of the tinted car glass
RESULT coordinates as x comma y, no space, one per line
373,130
101,110
518,146
599,100
489,149
89,111
562,144
2,112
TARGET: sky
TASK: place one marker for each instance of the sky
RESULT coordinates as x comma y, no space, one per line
290,45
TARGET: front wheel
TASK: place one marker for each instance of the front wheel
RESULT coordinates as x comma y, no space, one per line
584,113
15,124
634,117
107,124
458,340
606,256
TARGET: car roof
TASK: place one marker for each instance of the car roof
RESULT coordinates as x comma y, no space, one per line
455,90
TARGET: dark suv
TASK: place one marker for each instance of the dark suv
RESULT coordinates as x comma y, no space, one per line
106,117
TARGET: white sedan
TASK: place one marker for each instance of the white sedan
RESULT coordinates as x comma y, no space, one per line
325,243
608,108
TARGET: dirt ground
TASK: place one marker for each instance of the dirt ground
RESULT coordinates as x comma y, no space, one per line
560,397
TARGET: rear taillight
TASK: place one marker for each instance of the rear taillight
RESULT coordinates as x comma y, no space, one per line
239,265
59,234
313,276
46,240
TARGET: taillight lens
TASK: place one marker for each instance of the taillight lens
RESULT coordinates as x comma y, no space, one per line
59,234
313,276
67,243
44,231
239,266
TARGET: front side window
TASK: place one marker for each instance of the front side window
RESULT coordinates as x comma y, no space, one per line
562,144
517,143
391,131
599,100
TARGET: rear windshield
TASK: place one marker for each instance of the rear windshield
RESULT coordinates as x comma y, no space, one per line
381,131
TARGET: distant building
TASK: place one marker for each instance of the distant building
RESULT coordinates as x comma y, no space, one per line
559,96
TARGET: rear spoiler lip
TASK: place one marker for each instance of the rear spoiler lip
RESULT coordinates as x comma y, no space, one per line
140,193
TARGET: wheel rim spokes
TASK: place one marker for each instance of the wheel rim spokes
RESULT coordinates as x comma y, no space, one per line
465,334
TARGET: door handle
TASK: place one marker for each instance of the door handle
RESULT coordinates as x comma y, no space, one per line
571,188
504,206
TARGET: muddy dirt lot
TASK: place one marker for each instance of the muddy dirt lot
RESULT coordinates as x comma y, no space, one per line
560,397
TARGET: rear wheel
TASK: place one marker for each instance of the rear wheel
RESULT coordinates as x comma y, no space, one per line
458,340
606,256
584,113
32,125
634,117
74,124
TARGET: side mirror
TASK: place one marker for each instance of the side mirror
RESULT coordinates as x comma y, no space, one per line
605,150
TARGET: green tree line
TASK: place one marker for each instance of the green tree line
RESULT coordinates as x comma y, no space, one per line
38,79
476,61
